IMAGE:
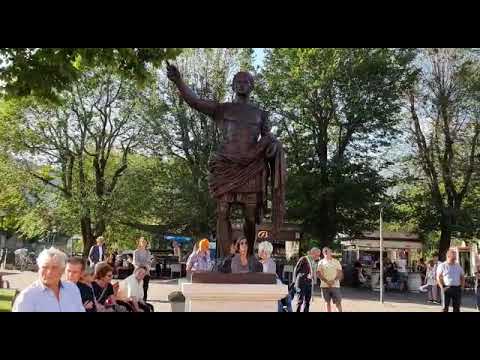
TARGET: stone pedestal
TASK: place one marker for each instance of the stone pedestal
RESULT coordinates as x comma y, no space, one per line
205,297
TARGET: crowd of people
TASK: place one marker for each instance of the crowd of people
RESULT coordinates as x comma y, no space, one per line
442,281
88,287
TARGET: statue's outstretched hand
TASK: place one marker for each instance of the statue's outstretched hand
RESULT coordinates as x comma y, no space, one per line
172,73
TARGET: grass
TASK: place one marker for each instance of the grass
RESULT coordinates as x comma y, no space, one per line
6,299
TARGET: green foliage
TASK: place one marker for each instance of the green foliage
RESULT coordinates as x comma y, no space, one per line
185,138
445,134
45,72
335,110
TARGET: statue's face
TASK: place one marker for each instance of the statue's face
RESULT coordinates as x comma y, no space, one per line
242,85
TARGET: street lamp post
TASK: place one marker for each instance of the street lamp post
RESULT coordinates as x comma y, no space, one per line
381,254
381,250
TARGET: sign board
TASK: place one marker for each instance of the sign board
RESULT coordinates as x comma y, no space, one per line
263,234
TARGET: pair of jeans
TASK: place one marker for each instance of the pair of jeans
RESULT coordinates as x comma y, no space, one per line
146,280
304,292
285,302
452,294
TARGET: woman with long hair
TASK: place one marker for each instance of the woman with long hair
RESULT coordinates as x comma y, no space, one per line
241,262
142,257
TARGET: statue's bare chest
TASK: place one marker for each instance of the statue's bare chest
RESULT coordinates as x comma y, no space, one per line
241,120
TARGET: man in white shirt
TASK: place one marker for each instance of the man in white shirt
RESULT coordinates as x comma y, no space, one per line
330,273
451,279
131,290
49,293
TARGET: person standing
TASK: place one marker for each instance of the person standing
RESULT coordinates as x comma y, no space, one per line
477,283
330,273
97,252
431,282
422,269
435,288
142,257
451,279
49,293
305,278
177,250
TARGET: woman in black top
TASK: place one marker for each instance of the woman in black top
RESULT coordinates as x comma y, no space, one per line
86,290
102,285
104,291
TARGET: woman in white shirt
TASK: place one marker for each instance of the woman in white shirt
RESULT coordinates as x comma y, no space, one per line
430,281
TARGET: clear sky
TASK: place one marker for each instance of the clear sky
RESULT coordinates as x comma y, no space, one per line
259,57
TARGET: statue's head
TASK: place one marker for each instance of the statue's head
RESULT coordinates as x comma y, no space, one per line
242,83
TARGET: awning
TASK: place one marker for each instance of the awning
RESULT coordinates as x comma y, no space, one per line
387,244
179,239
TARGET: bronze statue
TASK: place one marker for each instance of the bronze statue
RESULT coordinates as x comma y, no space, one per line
247,160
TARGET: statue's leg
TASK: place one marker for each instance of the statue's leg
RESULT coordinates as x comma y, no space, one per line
250,212
224,228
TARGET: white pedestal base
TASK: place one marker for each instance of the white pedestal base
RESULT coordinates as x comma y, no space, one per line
232,297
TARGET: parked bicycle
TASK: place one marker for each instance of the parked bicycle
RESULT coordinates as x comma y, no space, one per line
24,260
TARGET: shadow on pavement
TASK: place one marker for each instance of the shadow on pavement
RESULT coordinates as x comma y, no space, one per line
468,299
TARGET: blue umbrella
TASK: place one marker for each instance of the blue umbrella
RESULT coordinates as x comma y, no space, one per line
179,239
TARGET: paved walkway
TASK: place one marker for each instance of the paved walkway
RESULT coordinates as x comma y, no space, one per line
353,300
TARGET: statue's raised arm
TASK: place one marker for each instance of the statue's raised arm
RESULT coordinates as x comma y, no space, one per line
206,107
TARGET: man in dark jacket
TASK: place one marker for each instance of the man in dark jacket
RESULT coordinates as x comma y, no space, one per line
97,252
305,278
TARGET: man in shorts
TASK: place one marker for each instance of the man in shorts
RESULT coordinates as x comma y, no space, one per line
330,272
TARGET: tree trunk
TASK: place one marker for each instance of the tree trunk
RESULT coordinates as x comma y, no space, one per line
446,221
87,234
328,222
444,245
100,227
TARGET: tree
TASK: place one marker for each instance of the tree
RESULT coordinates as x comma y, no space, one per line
29,208
445,128
80,147
335,110
45,72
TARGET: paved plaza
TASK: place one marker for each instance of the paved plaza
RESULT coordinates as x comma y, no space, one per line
353,300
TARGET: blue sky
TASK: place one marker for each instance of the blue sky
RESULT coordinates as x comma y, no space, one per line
259,56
